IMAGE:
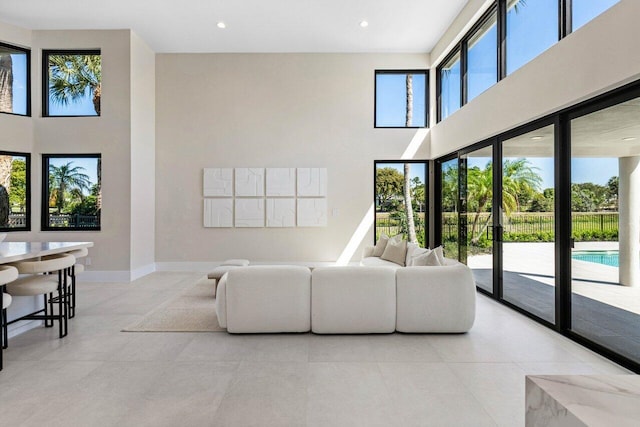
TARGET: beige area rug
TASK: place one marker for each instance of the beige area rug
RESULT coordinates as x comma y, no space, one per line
192,311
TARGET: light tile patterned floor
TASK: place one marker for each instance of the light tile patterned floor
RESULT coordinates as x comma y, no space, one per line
99,376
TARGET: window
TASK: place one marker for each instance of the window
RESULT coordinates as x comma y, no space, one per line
73,83
482,58
532,28
391,217
401,98
15,87
510,34
15,191
583,11
72,196
450,87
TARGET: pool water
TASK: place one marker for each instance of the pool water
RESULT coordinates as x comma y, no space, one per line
609,258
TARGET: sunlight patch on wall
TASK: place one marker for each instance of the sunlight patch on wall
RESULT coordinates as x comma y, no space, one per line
415,144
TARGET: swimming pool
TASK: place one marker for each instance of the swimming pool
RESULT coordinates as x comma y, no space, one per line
609,258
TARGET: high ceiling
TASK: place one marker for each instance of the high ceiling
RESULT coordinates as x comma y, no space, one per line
251,25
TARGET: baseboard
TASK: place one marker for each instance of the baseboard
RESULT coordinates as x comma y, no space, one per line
105,276
142,271
22,327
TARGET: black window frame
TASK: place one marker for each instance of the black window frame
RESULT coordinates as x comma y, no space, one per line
500,7
561,120
44,226
45,76
27,157
26,51
425,72
457,50
427,164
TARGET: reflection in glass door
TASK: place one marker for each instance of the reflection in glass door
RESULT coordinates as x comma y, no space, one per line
528,222
476,197
605,206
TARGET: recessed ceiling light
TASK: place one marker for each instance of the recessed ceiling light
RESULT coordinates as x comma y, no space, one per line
629,138
222,25
536,138
364,24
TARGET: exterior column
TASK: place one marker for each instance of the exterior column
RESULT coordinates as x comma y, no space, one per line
629,226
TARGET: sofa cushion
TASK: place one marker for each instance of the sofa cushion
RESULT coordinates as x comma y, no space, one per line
396,251
268,299
374,261
435,299
353,300
440,254
380,246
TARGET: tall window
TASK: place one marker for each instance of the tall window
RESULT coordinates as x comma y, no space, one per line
401,98
482,58
532,28
15,191
72,196
583,11
399,211
73,83
450,95
15,88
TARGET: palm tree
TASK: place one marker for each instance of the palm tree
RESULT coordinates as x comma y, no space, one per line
65,179
6,83
408,207
70,76
518,176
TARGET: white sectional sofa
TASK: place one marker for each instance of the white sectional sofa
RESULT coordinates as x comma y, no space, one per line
347,300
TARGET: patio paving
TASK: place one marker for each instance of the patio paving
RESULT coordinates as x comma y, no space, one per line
602,310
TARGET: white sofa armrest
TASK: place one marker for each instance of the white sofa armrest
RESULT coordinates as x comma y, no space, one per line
268,299
435,299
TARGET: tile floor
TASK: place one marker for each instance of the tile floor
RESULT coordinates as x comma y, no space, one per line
99,376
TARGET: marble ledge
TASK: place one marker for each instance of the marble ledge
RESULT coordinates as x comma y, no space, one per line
582,400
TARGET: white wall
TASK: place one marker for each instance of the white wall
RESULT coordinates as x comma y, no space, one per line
142,157
596,58
268,110
108,134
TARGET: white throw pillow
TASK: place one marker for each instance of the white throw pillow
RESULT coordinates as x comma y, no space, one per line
380,246
426,259
440,254
411,247
416,253
395,251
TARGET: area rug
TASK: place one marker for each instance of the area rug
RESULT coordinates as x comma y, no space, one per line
192,311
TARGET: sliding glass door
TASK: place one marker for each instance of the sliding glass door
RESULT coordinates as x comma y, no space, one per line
605,206
527,221
476,214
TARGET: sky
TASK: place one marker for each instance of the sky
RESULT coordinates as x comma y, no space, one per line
82,108
90,166
417,169
391,100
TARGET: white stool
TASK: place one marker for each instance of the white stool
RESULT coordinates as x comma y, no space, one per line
36,283
7,274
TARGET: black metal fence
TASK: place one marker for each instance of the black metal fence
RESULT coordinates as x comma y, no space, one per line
539,223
